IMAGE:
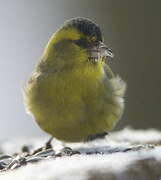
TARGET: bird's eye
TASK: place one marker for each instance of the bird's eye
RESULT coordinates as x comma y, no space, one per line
93,38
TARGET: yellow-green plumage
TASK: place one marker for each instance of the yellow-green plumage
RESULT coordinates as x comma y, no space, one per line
70,96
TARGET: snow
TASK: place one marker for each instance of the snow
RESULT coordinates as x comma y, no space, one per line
114,162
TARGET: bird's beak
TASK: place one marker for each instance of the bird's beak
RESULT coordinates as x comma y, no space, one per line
100,51
104,50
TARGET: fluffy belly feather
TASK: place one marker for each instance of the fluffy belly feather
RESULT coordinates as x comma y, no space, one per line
70,111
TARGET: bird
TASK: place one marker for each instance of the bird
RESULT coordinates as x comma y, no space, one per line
72,93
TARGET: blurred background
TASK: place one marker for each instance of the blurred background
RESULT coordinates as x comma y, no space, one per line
131,28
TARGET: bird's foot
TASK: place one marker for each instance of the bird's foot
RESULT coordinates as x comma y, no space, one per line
96,136
48,144
46,147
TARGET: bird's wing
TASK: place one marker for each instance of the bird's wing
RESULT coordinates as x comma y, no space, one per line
108,71
117,84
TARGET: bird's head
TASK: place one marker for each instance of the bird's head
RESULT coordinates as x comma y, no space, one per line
79,37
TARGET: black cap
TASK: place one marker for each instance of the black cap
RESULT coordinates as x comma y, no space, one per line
85,26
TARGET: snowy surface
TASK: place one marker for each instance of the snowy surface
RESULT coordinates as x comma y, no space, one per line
123,155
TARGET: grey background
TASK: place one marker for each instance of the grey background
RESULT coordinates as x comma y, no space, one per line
131,28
